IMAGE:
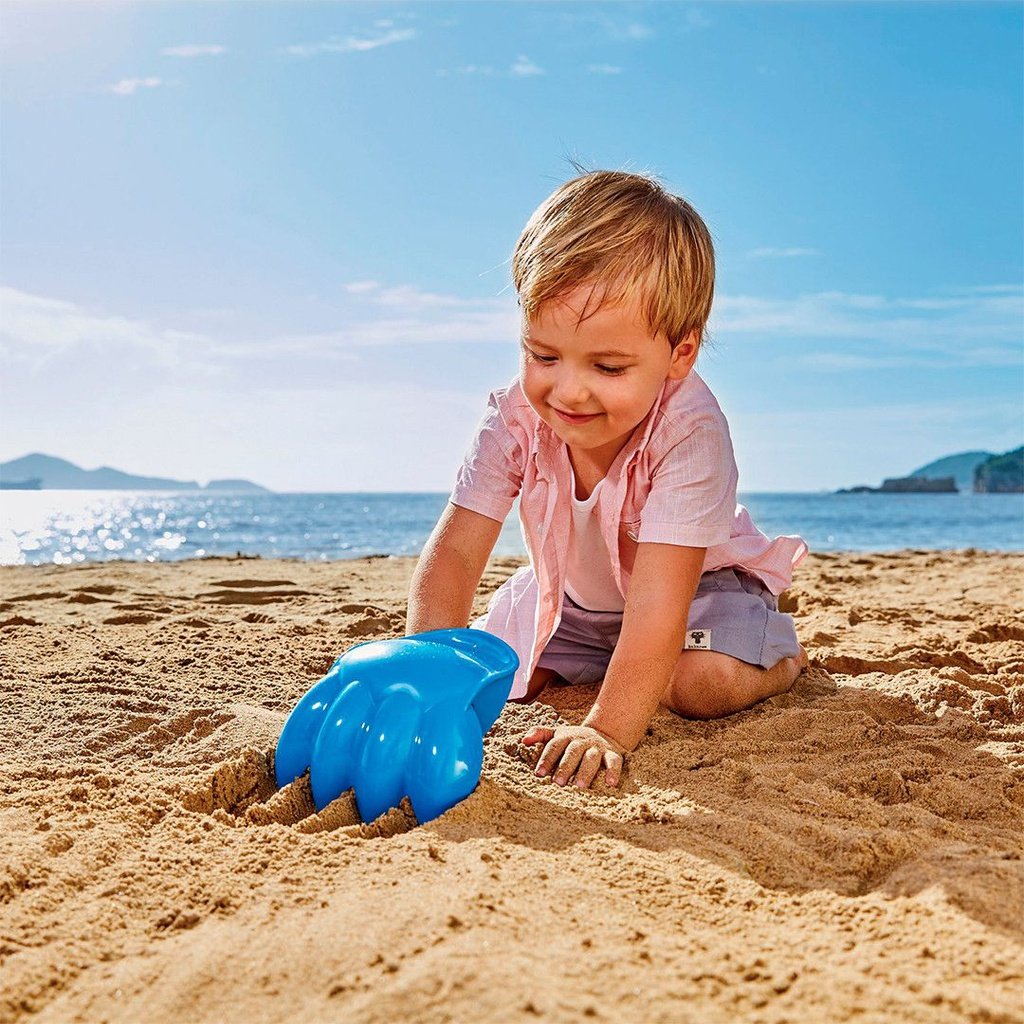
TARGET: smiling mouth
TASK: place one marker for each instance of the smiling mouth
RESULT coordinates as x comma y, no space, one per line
576,417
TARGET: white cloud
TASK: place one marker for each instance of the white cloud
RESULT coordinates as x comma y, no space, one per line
404,315
825,332
524,67
39,331
637,30
604,69
339,435
695,18
591,25
951,326
133,392
975,356
966,330
351,44
775,253
988,289
409,297
129,86
194,50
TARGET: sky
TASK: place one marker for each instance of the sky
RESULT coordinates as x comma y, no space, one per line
272,241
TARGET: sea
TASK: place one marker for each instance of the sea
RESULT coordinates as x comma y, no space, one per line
51,527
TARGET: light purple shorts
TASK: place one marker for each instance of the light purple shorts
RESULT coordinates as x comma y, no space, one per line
732,613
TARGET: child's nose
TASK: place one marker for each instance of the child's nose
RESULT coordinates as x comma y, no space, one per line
570,390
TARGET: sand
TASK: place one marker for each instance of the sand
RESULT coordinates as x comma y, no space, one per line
851,850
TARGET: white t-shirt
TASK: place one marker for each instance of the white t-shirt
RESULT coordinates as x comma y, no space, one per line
589,580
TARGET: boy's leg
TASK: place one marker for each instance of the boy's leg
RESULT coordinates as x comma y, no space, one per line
706,684
540,679
578,653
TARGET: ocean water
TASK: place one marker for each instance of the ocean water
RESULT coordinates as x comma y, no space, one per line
65,527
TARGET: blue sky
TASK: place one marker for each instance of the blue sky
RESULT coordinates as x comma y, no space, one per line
271,241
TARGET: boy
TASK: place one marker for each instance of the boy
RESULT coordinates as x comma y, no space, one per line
643,572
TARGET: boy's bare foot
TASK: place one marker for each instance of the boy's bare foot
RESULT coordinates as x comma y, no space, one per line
801,660
787,671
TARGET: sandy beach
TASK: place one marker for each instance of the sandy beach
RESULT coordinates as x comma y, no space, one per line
849,850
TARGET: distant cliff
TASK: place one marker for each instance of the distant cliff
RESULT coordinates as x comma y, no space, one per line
919,485
1001,474
982,472
961,467
908,485
47,472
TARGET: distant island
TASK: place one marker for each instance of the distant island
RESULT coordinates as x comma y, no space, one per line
38,472
981,472
907,485
1001,474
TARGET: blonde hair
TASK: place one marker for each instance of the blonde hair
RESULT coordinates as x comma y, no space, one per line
623,234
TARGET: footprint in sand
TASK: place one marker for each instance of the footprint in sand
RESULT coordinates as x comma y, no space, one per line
149,734
995,632
374,620
17,620
39,595
250,591
257,617
130,619
250,596
239,584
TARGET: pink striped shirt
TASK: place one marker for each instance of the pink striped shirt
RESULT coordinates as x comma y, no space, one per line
674,482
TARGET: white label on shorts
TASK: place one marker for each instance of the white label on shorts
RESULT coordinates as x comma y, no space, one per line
698,640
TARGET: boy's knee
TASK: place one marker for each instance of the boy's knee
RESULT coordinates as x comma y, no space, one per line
706,686
535,687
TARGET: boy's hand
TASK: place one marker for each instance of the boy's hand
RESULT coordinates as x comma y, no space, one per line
581,749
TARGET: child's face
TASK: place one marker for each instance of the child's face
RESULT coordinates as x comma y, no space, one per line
608,372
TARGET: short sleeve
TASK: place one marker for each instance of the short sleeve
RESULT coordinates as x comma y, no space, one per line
692,501
491,474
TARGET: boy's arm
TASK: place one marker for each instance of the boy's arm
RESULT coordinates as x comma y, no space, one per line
661,587
449,570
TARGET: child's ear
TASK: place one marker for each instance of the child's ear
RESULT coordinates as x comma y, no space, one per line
684,355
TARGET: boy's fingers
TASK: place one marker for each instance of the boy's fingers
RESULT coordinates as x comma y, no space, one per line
614,762
550,755
589,767
538,735
570,759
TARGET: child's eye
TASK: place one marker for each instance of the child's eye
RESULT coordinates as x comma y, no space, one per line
530,354
608,371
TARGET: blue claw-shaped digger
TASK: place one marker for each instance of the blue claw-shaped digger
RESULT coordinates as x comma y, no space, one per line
396,718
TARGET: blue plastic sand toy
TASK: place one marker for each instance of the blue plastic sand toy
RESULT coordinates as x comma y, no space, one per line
396,718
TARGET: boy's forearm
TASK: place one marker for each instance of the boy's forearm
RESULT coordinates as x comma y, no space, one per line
440,594
662,587
638,675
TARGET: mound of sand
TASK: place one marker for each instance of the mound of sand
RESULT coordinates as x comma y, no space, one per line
849,849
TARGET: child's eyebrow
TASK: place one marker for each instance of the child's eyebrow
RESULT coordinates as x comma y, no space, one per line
605,352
